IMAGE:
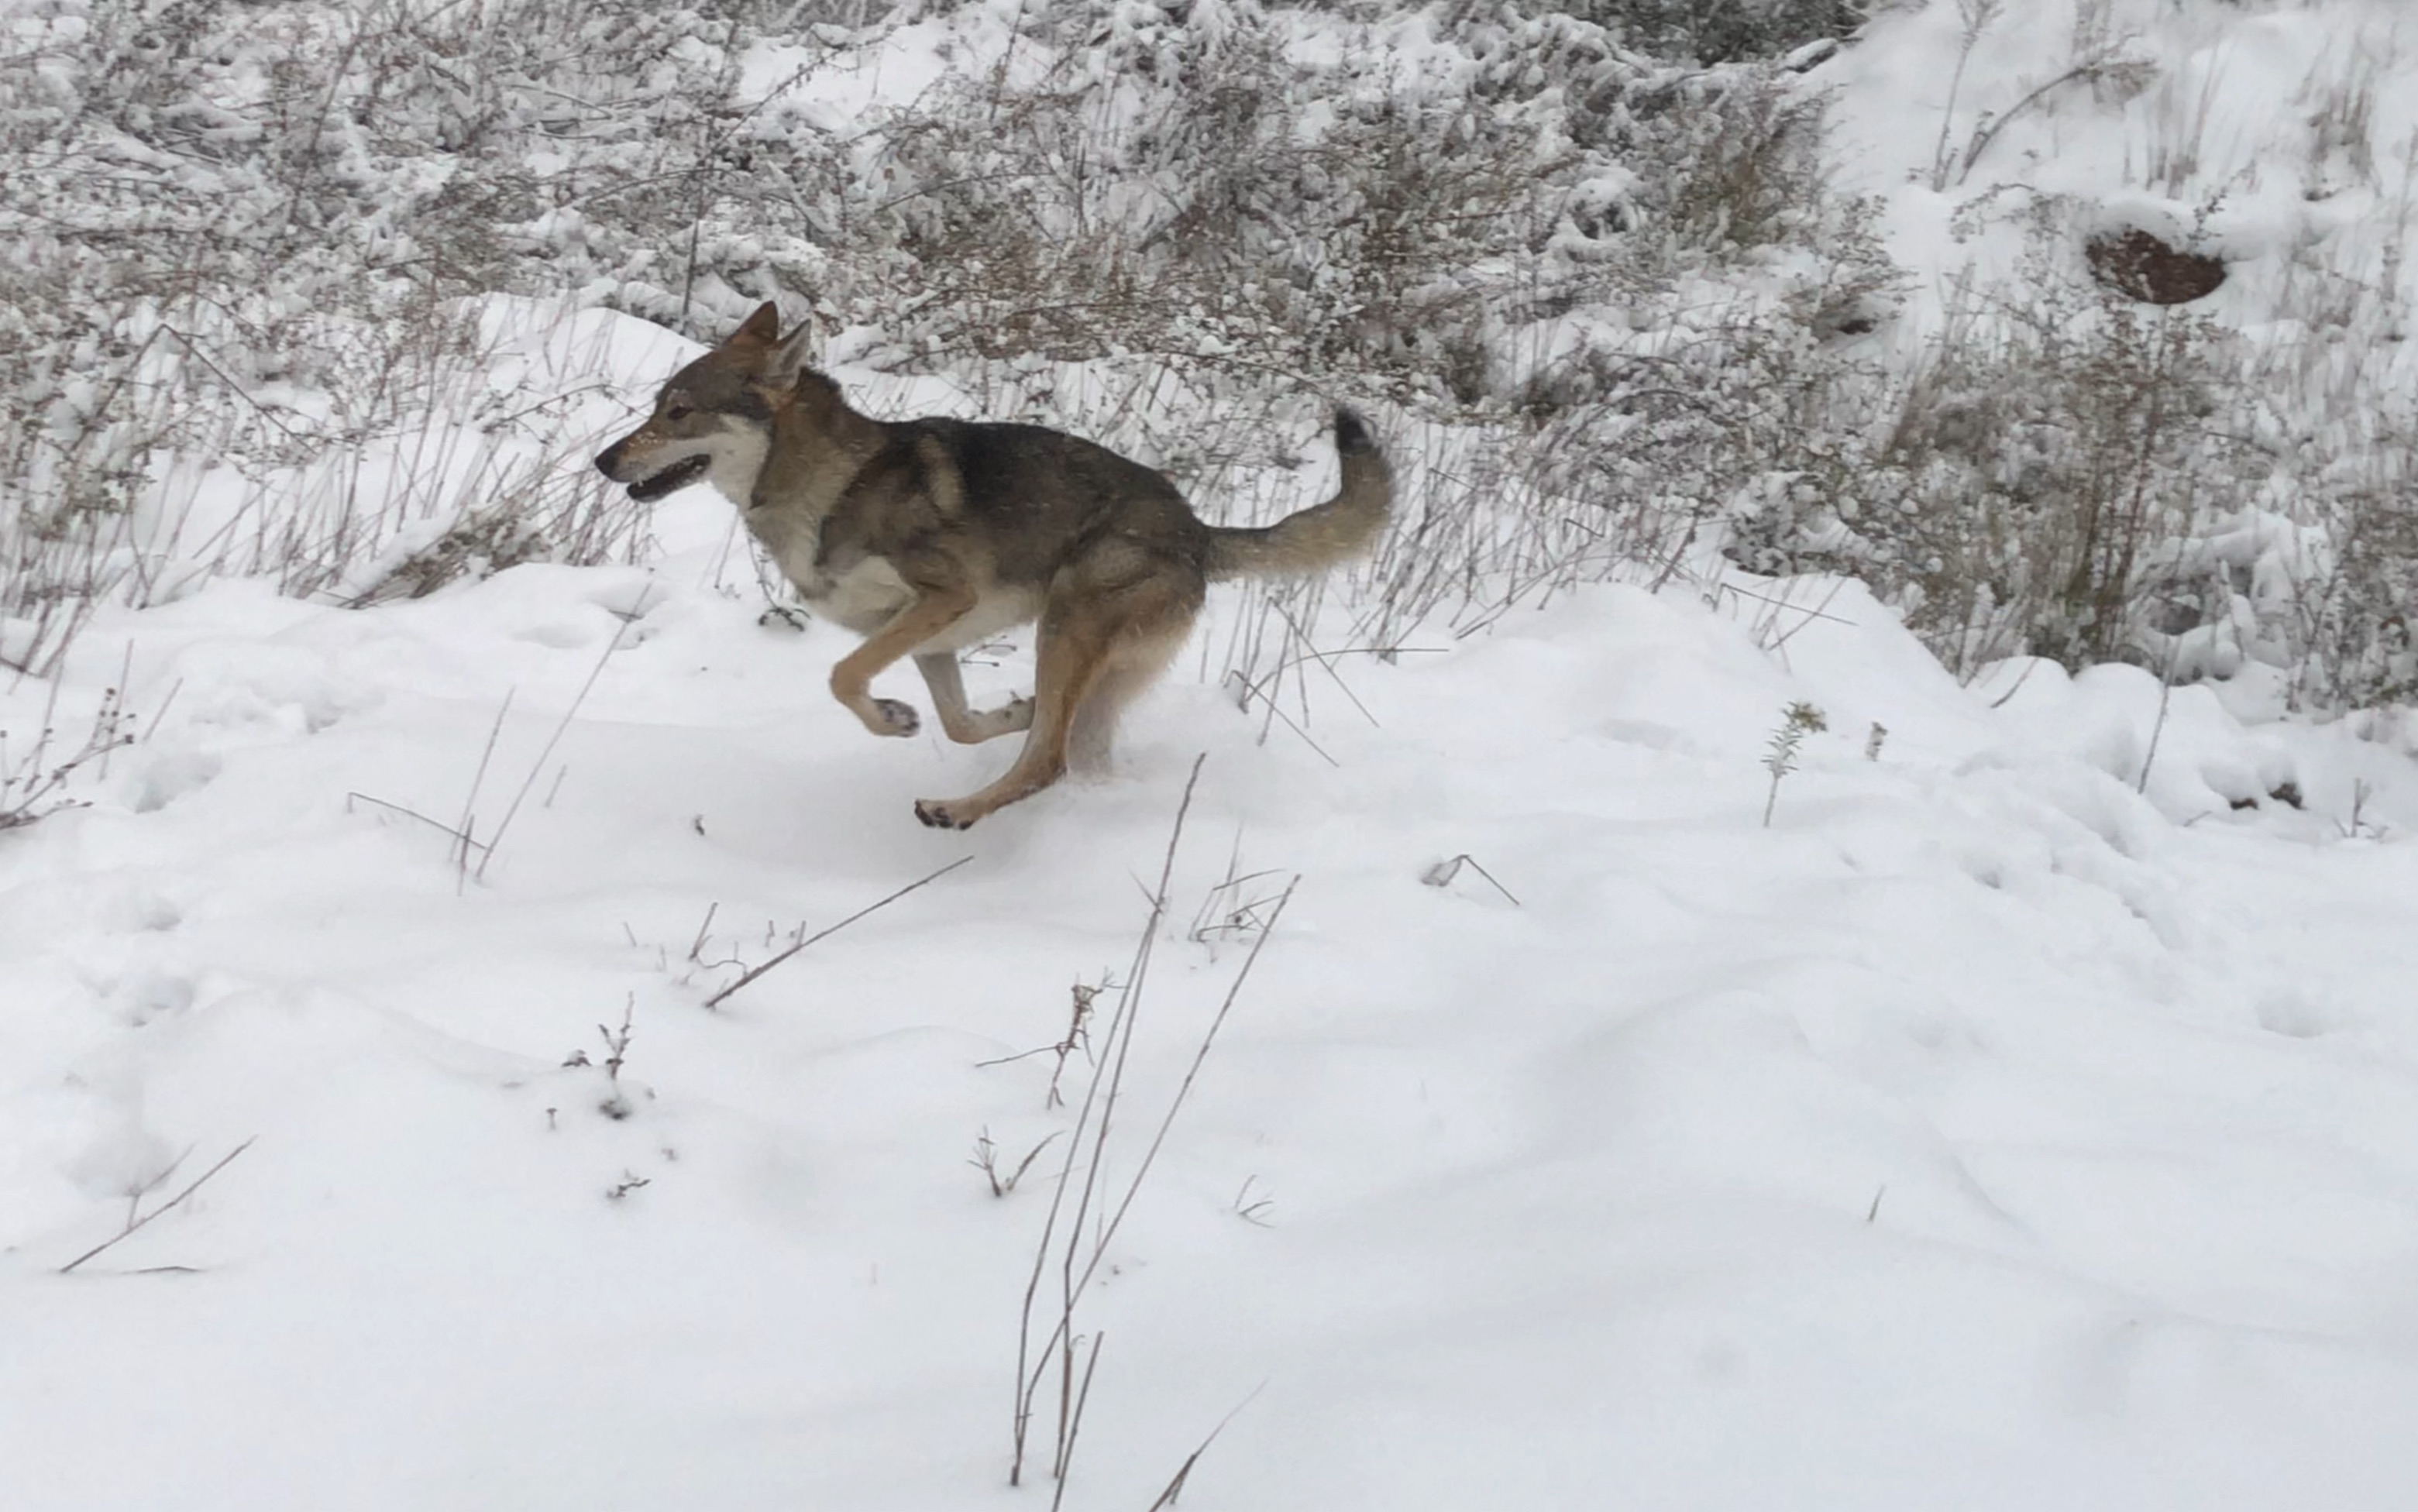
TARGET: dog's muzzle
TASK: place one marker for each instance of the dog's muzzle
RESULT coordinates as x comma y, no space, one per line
668,480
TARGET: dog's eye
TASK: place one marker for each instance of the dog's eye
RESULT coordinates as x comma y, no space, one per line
673,412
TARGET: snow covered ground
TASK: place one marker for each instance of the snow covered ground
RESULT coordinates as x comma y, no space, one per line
1984,1133
2026,1118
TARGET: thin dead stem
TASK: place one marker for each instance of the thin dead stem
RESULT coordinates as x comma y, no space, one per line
754,973
1106,1079
136,1223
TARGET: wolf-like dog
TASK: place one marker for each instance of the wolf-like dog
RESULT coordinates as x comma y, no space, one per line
927,536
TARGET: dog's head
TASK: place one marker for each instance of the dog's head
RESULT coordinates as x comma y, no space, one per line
718,406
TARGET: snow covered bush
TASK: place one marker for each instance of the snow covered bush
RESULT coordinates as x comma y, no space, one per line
2070,473
245,231
1719,31
1588,252
239,233
2043,466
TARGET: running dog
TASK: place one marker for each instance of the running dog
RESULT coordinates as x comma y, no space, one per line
927,536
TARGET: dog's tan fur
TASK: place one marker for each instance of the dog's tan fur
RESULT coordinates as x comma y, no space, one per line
927,536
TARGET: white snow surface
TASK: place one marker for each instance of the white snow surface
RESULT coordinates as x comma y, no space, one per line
1989,1131
2014,1122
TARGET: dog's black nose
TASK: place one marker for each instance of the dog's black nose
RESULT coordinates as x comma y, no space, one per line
607,458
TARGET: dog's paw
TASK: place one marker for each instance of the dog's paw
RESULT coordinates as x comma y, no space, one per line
1011,718
891,717
939,814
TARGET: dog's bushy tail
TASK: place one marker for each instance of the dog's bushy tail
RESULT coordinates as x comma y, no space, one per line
1316,538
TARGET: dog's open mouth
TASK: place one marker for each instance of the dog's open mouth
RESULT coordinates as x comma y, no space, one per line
672,478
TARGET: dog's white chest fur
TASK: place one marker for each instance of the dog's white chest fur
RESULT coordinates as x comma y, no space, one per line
734,460
869,593
863,598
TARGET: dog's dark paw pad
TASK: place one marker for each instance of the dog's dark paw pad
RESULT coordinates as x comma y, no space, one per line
896,718
939,815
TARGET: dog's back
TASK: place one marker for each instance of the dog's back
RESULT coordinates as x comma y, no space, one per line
1013,505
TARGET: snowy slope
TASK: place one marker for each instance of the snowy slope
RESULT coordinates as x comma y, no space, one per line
1989,1131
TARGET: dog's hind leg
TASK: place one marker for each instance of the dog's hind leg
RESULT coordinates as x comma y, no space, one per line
968,726
1091,630
1133,663
1068,660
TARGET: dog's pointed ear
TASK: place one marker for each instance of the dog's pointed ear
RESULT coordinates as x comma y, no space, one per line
790,357
762,329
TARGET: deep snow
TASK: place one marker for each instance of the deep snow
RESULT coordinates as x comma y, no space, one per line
1997,1129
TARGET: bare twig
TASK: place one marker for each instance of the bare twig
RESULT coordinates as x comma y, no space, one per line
1443,872
2166,694
470,799
114,707
752,973
616,1052
1250,1211
1079,1037
1184,1090
1074,1417
1797,721
1990,125
2021,678
1183,1471
612,644
1108,1079
1326,659
460,838
1239,914
135,1224
29,788
986,1159
697,947
1079,1254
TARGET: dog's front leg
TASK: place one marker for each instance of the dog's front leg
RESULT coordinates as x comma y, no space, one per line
965,726
933,611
